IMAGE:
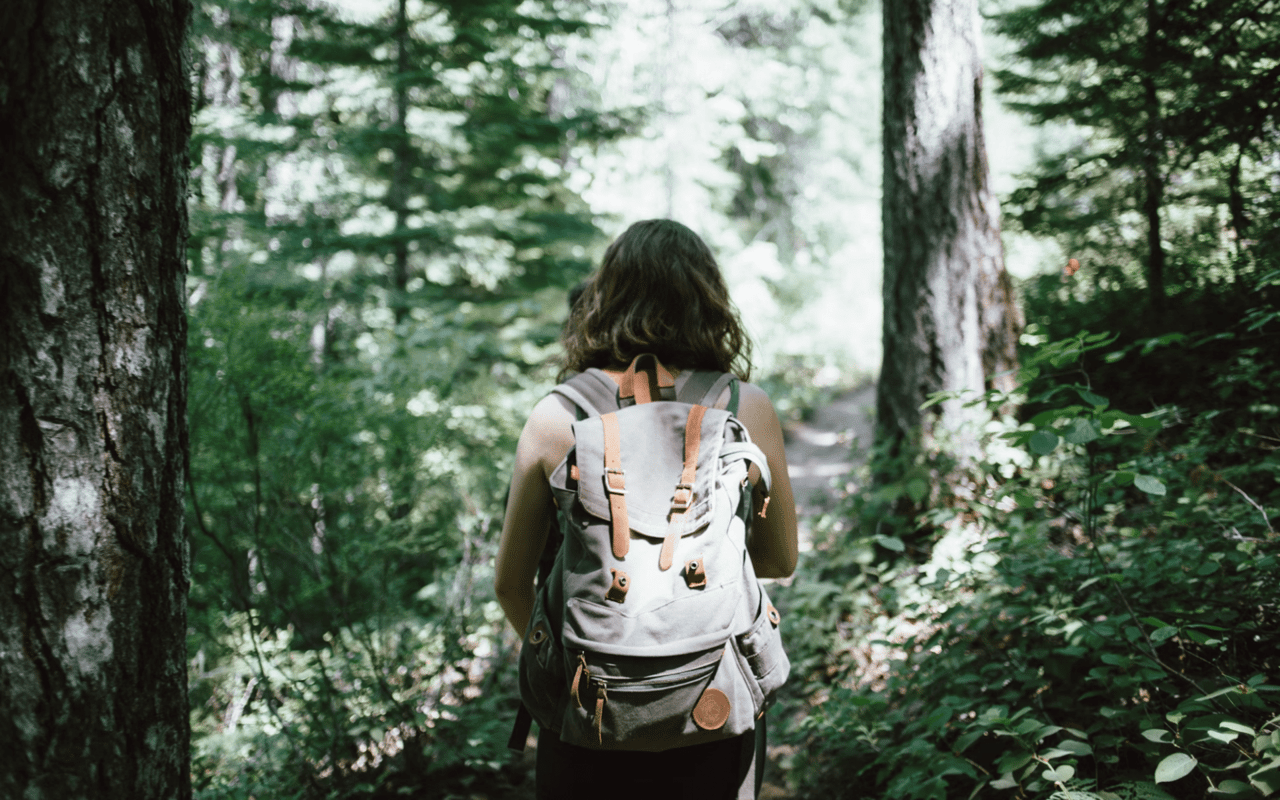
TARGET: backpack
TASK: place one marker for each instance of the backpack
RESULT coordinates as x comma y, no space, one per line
651,630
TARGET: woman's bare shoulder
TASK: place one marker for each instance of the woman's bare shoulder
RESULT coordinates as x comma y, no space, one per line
548,434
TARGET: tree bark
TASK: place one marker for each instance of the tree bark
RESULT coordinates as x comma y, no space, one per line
1152,151
950,318
94,124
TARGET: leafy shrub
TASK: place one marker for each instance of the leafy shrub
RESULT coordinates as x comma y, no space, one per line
1099,618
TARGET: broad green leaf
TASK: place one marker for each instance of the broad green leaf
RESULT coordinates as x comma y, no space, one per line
1043,442
1075,748
1161,634
1267,779
891,543
1082,431
918,489
1225,738
1124,477
1159,735
1232,787
1173,767
1060,774
1005,781
1096,400
1016,760
1047,730
1149,484
1238,728
966,740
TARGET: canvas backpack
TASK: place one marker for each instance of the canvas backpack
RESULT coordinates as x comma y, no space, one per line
651,630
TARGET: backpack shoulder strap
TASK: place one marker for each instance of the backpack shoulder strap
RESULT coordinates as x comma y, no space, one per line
592,391
694,388
705,388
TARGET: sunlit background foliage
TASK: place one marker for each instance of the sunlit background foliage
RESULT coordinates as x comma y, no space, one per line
390,202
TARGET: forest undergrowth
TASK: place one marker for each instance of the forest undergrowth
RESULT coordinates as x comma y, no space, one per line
1094,611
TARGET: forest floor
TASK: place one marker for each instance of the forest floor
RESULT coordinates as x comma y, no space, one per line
829,445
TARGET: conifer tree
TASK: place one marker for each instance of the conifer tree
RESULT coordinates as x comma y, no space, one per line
1158,85
950,322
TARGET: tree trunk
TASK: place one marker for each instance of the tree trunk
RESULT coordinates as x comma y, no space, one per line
950,318
94,123
398,193
1152,155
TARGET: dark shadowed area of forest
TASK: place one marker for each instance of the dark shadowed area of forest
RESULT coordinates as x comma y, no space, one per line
1056,579
389,204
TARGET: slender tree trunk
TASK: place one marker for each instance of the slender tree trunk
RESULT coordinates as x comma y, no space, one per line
1153,179
950,319
94,124
398,194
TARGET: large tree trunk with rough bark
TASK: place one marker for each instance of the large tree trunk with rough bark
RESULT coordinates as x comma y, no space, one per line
94,123
950,318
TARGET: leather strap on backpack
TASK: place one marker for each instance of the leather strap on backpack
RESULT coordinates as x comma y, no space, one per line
615,484
651,383
683,497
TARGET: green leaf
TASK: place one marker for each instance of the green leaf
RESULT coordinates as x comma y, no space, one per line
1010,762
1047,730
1005,781
1075,748
1173,767
891,543
1161,634
966,740
1082,431
1267,779
1149,484
1158,735
917,489
1060,774
1096,400
1043,442
1231,787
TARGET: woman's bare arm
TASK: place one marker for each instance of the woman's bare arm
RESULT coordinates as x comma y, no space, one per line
774,547
545,440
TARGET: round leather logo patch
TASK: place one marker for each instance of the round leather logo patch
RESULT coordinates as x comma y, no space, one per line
712,710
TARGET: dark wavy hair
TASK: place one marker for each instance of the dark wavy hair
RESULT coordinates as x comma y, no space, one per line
658,290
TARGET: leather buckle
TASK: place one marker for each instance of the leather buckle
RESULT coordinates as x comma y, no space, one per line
609,486
683,497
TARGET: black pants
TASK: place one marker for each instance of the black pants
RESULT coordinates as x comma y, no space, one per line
712,771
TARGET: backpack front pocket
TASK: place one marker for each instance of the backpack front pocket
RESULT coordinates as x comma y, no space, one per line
704,699
760,649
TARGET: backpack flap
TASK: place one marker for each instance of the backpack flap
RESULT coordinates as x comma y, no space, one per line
651,467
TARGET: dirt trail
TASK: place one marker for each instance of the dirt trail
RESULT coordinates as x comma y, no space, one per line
826,447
